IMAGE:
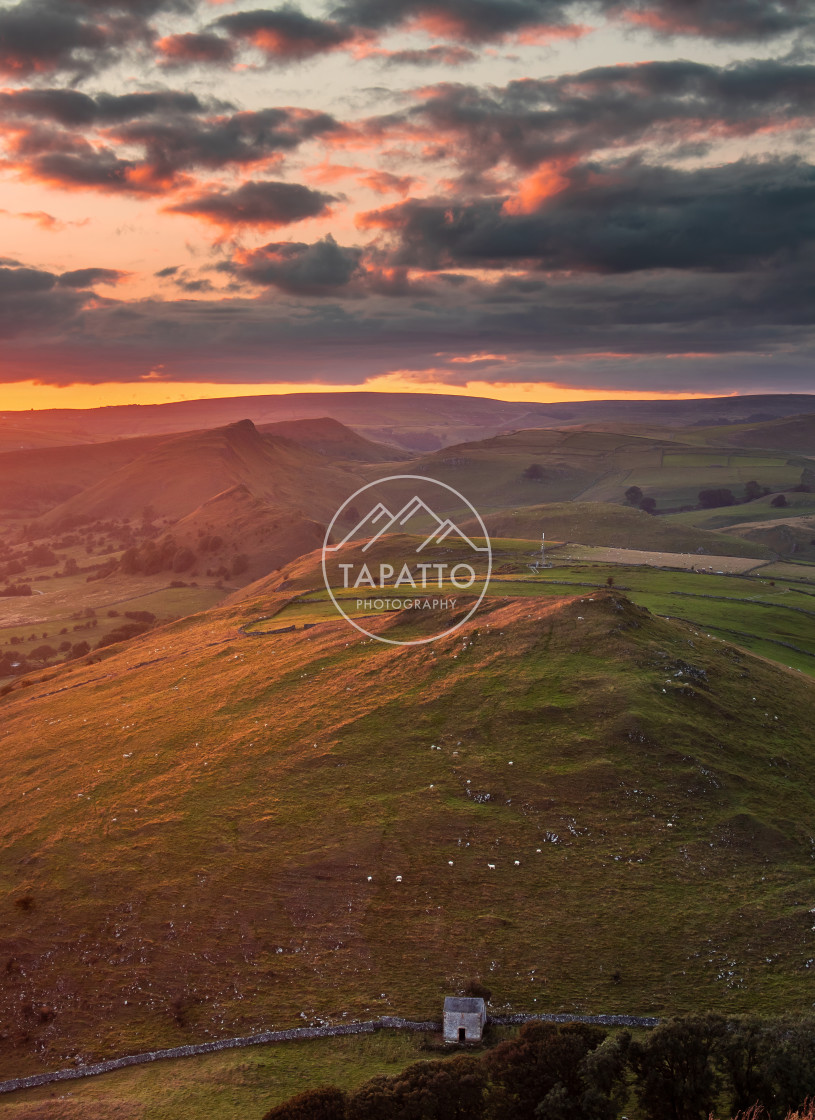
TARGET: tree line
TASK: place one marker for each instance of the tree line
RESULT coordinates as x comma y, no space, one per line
685,1069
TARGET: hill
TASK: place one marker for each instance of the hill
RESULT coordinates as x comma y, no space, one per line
34,481
793,434
329,437
176,476
416,421
208,833
615,526
539,465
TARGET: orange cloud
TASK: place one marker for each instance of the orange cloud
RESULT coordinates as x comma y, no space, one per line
533,191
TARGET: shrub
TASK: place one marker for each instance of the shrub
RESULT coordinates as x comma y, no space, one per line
314,1104
633,495
779,502
714,499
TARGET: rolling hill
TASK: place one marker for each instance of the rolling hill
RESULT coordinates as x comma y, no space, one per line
206,833
326,436
598,523
793,434
416,421
176,476
538,465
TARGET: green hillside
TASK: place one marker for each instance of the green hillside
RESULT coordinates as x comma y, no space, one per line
204,832
615,526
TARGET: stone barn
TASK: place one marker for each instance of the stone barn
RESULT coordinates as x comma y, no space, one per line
464,1019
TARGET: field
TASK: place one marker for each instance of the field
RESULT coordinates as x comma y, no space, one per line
233,1085
761,509
729,597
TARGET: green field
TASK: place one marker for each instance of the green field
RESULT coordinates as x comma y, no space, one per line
232,1085
798,505
750,611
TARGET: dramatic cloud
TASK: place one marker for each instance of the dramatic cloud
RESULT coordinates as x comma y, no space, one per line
71,108
659,103
169,128
622,218
319,269
285,33
81,278
188,48
261,204
31,303
474,20
76,36
737,20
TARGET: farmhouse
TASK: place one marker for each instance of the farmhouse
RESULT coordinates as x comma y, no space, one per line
464,1019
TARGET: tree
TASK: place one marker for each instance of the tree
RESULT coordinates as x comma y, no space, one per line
183,560
476,989
542,1058
240,564
448,1090
676,1078
633,495
79,649
314,1104
648,505
779,501
42,654
534,473
601,1076
752,490
713,499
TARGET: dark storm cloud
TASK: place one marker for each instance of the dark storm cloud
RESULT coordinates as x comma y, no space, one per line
31,303
81,278
71,108
737,20
429,56
295,267
175,139
485,20
191,47
622,218
476,20
663,103
261,204
285,33
78,36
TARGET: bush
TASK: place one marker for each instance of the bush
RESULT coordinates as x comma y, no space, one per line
714,499
676,1077
633,495
534,473
779,502
476,989
314,1104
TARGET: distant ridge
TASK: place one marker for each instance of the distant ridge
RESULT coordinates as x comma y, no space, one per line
415,421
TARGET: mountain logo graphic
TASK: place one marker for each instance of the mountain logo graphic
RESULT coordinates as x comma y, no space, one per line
420,555
381,521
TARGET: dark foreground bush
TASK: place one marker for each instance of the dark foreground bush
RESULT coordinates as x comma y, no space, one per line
314,1104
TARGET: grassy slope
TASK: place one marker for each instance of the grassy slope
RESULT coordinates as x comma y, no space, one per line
597,466
232,1085
791,434
181,473
195,819
614,526
760,510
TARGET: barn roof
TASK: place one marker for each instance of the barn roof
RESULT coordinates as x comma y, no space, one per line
470,1004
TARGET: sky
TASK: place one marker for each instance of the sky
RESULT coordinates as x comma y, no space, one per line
522,199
